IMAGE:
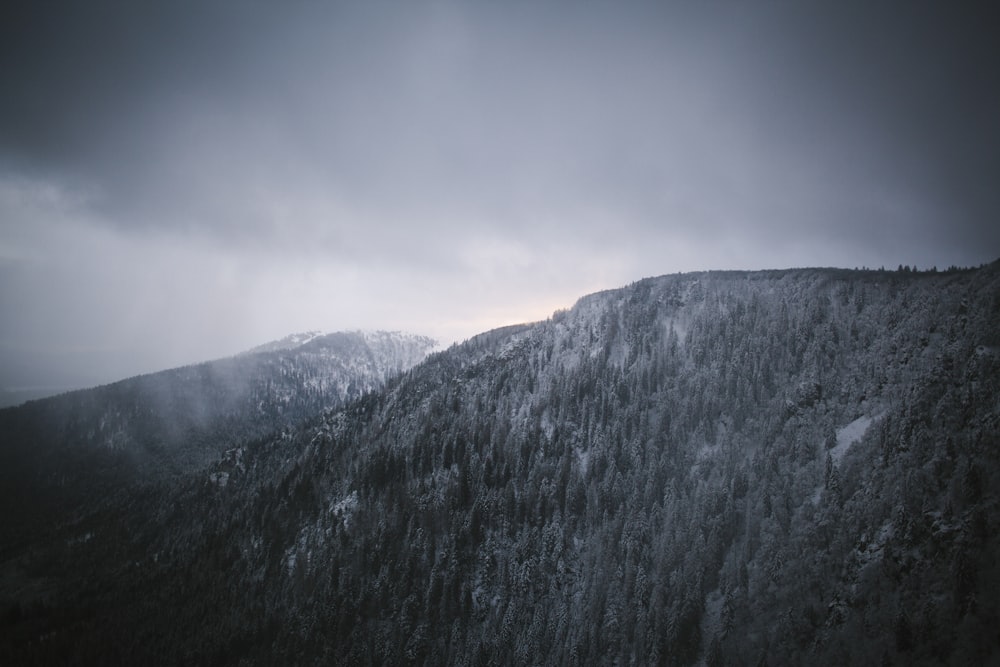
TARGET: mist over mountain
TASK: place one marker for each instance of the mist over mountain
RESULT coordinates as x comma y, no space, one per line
61,452
723,468
18,396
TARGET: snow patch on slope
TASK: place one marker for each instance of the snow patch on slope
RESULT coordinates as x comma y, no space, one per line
344,508
850,434
846,437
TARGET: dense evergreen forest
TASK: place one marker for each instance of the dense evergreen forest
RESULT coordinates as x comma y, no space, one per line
783,467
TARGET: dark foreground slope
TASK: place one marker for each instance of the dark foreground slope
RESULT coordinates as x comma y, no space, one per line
792,467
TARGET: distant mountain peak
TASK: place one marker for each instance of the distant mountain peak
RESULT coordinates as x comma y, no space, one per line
297,340
289,342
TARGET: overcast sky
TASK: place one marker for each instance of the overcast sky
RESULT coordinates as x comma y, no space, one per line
182,180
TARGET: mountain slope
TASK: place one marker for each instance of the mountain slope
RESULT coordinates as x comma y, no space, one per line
66,449
794,467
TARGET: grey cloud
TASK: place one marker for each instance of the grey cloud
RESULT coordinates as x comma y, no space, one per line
466,159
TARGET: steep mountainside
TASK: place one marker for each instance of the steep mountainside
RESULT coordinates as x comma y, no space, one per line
788,467
65,449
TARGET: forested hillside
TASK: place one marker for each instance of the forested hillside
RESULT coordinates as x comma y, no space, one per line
786,467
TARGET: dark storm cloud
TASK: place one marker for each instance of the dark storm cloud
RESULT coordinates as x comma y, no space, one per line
206,114
446,166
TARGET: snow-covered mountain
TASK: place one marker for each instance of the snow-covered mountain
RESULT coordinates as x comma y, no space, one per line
394,346
289,342
783,467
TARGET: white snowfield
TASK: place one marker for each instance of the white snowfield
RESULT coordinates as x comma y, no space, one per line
850,434
846,437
